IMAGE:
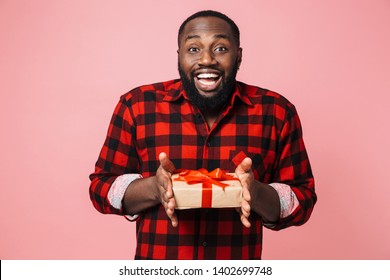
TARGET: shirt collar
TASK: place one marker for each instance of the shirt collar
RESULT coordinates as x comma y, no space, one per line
240,93
174,91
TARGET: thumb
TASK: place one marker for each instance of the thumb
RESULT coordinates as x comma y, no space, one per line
245,165
165,163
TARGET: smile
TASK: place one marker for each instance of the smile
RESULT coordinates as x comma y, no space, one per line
207,81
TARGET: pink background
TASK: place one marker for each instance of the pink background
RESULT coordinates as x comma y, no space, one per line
64,64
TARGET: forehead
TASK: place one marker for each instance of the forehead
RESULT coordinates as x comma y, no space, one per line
205,26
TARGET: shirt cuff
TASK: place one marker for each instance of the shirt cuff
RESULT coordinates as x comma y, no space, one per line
288,200
117,191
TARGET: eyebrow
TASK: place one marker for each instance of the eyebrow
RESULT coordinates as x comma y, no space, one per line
222,36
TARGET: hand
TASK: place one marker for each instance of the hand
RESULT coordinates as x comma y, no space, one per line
245,175
164,186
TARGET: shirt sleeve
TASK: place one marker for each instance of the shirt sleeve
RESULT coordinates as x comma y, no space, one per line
117,158
288,199
118,188
292,169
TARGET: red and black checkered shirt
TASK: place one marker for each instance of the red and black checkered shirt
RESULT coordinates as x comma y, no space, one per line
159,118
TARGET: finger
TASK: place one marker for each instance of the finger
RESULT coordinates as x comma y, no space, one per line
163,185
166,196
174,220
172,216
170,210
169,190
244,218
245,221
245,208
165,163
246,193
245,165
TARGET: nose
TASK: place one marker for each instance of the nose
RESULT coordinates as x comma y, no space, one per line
206,58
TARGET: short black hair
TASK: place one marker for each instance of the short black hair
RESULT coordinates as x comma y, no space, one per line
211,13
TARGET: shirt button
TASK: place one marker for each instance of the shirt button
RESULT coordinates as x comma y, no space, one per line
204,244
208,144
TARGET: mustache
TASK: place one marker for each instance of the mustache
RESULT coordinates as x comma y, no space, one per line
207,68
211,67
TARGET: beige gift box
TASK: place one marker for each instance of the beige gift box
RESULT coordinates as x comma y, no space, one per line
206,191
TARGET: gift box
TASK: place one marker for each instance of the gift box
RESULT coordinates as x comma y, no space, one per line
203,189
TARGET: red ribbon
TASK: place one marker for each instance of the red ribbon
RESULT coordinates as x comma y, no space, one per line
207,179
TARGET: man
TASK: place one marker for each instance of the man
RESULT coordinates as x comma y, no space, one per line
205,119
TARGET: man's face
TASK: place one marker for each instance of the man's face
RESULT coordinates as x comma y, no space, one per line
209,58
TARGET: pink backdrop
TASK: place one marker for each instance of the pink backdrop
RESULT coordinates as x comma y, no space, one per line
64,64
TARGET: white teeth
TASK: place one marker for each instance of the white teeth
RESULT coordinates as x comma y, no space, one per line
206,83
207,76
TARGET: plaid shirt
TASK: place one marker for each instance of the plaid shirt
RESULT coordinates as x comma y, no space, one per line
159,118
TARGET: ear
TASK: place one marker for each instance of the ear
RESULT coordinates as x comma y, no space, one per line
239,57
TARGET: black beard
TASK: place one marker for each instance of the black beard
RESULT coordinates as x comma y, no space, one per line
214,103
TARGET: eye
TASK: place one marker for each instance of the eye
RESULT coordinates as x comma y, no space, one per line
221,49
193,50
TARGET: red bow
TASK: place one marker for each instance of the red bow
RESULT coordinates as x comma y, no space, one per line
207,179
